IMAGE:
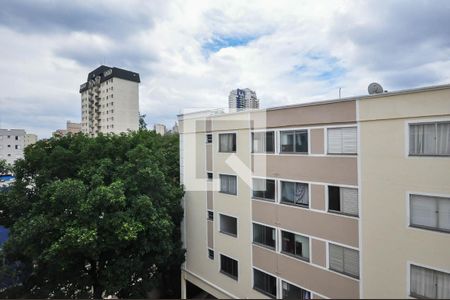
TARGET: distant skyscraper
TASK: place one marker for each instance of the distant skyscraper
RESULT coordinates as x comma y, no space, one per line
110,101
242,99
160,128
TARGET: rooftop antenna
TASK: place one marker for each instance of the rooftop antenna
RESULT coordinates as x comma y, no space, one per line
340,93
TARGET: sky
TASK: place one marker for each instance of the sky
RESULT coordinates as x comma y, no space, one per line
191,54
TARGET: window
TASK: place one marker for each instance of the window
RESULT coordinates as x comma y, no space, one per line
9,146
229,266
429,139
430,212
294,141
290,291
209,138
265,283
210,254
17,138
344,260
228,184
295,245
210,215
17,147
343,200
227,142
428,283
342,140
112,95
264,189
294,193
210,175
228,225
264,235
263,142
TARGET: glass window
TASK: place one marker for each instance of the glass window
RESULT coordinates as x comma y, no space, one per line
210,175
227,142
290,291
210,215
211,254
428,283
429,139
264,235
264,189
229,266
209,138
343,200
228,225
263,142
430,212
342,140
228,184
295,244
344,260
265,283
294,141
294,193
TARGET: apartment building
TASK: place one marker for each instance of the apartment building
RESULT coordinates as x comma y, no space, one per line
160,129
240,99
71,128
344,198
110,101
12,143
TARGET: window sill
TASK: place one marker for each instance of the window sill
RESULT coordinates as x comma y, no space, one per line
227,233
344,154
429,228
264,199
429,155
227,151
336,212
304,259
228,193
229,275
300,153
264,246
264,292
294,204
346,274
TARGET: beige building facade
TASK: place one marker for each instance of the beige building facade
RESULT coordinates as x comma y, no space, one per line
312,200
71,128
110,101
13,142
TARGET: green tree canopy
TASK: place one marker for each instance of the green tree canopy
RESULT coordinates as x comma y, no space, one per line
95,216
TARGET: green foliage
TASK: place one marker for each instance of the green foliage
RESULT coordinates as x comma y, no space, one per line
142,123
95,216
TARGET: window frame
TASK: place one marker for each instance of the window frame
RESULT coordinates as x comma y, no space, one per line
343,261
220,184
274,200
340,212
210,215
234,277
294,131
260,290
410,278
274,247
235,235
280,193
209,138
293,255
327,143
424,227
209,176
234,149
211,251
252,134
408,135
295,286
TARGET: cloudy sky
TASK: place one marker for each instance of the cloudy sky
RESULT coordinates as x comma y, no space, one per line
192,53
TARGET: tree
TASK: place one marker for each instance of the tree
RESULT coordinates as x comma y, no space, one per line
142,123
90,217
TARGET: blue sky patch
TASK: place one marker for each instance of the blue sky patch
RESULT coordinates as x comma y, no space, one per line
217,43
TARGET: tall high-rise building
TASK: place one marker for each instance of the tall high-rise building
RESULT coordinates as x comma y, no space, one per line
160,128
110,101
12,143
345,198
241,99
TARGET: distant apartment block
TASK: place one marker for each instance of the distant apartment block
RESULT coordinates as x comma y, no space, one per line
160,129
13,142
110,101
346,198
241,99
71,128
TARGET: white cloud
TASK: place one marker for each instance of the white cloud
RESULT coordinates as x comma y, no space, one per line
192,53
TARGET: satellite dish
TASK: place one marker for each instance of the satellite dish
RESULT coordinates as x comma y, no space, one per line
375,88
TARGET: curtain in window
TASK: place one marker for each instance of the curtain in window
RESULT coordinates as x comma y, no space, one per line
443,285
287,141
349,199
301,194
232,184
287,191
224,142
443,138
444,213
422,282
259,184
423,211
224,186
422,139
259,142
